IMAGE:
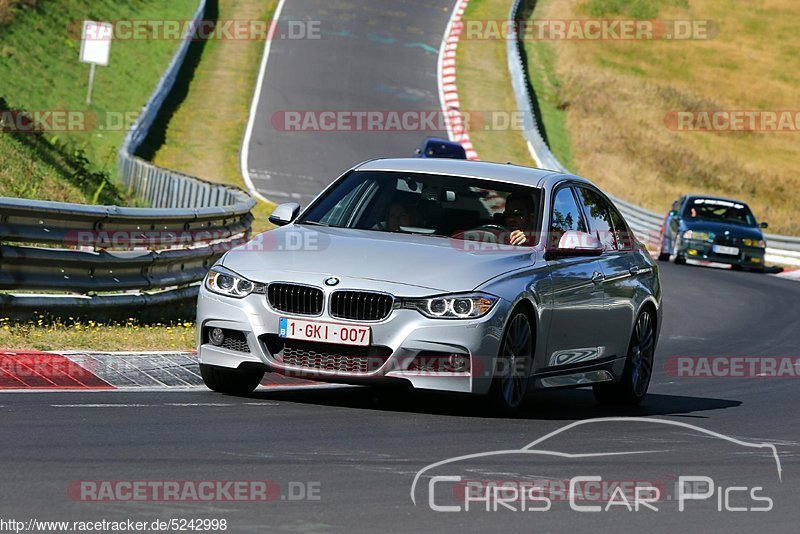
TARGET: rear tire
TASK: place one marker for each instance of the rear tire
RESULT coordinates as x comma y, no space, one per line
514,363
632,386
230,381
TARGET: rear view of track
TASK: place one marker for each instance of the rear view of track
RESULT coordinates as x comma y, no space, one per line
369,56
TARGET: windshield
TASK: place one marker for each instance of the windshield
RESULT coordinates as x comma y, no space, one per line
712,209
429,204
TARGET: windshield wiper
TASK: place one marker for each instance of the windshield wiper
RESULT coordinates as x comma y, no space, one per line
314,223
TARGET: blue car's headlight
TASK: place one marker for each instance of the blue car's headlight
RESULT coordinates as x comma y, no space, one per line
698,236
460,306
758,243
226,282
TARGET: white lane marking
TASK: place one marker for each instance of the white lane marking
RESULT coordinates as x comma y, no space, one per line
102,405
187,404
171,404
245,152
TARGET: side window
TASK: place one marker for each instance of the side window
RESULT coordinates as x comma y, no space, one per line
599,217
565,215
623,234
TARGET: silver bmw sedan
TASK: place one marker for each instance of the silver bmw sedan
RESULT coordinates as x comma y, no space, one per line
462,276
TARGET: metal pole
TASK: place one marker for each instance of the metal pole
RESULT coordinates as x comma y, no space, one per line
91,83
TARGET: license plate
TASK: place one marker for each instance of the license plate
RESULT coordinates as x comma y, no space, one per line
731,251
324,332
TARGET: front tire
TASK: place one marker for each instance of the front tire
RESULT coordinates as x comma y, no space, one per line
230,381
676,256
662,254
514,363
632,387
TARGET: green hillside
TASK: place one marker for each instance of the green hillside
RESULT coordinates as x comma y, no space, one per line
40,71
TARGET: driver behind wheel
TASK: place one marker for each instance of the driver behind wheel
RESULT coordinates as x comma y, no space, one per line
399,213
519,218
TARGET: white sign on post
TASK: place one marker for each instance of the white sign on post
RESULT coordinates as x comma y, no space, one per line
95,48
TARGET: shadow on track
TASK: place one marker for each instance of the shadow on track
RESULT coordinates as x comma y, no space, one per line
556,405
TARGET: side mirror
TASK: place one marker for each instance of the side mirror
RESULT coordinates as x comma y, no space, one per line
575,243
283,214
673,213
764,225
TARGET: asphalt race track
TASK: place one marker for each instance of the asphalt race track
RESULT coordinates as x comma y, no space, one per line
359,450
367,58
342,459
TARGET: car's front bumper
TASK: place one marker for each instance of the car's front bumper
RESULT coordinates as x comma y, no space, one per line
406,333
752,257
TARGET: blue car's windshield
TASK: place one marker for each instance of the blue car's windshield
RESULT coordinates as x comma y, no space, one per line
719,210
429,204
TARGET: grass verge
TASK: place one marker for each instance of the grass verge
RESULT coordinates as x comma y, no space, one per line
484,86
89,335
613,98
204,135
549,96
604,103
202,138
40,71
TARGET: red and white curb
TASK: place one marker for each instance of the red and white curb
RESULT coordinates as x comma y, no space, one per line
34,370
790,273
448,91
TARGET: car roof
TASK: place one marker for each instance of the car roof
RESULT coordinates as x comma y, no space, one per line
502,172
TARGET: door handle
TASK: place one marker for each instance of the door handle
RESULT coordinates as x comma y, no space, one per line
598,278
634,271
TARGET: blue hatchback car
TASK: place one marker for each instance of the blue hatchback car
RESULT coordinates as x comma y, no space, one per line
714,229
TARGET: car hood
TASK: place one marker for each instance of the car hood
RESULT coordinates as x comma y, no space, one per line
435,263
735,230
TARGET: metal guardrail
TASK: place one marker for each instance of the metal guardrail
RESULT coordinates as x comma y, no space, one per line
119,262
645,223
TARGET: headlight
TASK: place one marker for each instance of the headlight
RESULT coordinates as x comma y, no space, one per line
466,306
226,282
698,236
760,243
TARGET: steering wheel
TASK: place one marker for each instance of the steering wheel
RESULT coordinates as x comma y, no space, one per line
497,231
490,227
